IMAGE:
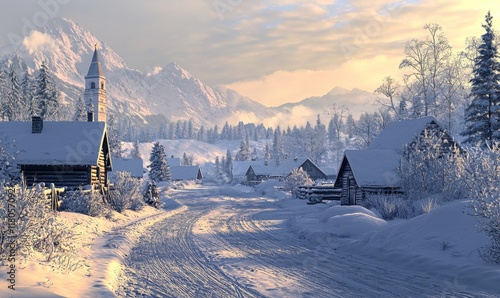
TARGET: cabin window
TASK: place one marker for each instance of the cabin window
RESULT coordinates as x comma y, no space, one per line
92,85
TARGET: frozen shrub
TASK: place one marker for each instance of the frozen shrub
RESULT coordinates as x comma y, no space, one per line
86,202
35,227
482,177
390,207
126,193
427,170
297,178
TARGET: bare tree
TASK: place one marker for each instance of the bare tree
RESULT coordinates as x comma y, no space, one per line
389,88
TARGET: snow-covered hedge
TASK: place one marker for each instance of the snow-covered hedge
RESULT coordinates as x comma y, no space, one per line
86,202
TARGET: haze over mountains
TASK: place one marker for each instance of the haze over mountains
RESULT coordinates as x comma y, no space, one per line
170,91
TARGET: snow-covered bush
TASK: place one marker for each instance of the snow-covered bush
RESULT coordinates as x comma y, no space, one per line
297,178
482,177
390,207
426,170
26,219
9,172
86,202
126,193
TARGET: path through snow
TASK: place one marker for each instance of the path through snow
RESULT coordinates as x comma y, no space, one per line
231,244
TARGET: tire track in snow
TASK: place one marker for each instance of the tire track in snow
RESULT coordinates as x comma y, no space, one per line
167,263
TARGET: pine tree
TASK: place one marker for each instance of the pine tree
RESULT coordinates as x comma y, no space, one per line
80,111
159,170
27,93
229,165
46,94
267,152
483,114
134,153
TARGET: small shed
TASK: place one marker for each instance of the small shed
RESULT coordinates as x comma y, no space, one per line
259,172
134,166
365,172
287,166
186,173
68,154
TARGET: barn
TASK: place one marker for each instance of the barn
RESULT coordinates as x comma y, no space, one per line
68,154
373,171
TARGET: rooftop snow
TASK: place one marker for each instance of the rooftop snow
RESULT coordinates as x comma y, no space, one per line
134,166
400,133
374,167
59,143
185,172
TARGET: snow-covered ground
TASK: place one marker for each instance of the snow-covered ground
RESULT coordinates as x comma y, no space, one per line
221,241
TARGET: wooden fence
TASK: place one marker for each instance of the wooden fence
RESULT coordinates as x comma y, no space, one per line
53,194
319,193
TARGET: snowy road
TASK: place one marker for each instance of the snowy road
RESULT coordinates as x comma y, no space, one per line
229,244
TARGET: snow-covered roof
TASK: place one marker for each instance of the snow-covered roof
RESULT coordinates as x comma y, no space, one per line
59,143
240,168
185,172
174,161
374,167
134,166
261,169
286,167
400,133
95,69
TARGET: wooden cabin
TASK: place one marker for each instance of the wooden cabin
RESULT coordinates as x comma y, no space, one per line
259,172
365,172
373,171
287,166
68,154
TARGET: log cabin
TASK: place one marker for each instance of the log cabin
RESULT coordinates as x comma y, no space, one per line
373,171
68,154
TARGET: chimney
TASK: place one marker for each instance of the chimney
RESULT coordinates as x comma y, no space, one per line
36,124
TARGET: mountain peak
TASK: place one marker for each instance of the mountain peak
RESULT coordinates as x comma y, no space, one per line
338,91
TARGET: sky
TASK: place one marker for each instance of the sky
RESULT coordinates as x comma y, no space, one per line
273,51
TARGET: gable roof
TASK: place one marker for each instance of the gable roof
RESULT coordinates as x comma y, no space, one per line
134,166
262,170
174,161
59,143
240,168
372,167
400,133
186,173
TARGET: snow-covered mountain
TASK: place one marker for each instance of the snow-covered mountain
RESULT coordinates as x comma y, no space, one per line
356,101
170,91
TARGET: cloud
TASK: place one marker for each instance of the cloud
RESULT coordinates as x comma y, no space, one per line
38,42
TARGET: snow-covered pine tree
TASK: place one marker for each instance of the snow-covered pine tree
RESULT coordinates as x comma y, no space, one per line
27,93
229,165
159,170
80,111
483,114
46,94
114,139
13,96
134,153
267,152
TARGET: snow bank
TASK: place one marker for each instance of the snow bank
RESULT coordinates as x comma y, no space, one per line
354,225
445,241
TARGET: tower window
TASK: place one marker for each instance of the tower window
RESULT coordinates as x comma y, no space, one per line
92,85
102,85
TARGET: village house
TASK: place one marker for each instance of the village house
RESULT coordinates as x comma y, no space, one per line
260,172
134,166
186,173
374,170
68,154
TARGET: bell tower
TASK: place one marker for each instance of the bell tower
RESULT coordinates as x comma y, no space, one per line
95,89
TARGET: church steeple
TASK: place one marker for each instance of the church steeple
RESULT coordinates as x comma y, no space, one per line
95,88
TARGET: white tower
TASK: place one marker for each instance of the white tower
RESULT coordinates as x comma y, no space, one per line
95,88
